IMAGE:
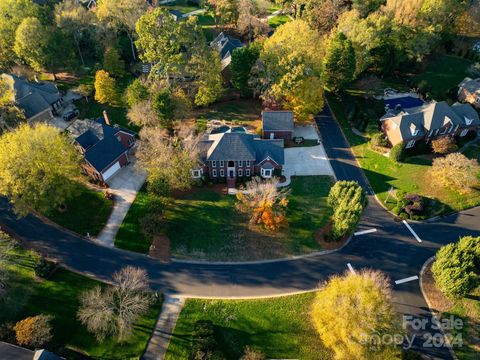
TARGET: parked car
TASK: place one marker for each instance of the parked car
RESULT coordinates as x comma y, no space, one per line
69,115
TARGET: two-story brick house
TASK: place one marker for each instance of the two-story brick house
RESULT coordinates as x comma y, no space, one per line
278,124
429,121
232,156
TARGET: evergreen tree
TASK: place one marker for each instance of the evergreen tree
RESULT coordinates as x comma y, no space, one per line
243,60
339,63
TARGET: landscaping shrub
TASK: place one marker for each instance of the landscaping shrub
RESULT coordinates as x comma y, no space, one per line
34,331
456,269
156,204
348,200
44,268
204,344
252,354
152,224
159,186
397,153
378,140
409,206
444,145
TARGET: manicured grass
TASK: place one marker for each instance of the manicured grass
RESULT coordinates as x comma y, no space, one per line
411,176
205,225
278,20
237,110
59,297
87,212
182,5
442,74
468,310
130,235
280,327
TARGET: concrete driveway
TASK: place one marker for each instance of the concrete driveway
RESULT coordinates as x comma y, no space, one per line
124,185
304,161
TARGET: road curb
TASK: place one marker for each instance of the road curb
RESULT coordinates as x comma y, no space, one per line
429,304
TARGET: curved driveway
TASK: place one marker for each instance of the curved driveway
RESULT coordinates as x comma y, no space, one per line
392,249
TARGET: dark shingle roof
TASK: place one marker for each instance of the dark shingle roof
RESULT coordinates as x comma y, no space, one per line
13,352
242,146
87,139
277,120
225,44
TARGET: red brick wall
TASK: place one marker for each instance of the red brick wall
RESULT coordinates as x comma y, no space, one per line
124,137
287,135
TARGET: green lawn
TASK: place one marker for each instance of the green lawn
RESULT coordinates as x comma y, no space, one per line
59,296
442,74
280,327
87,211
278,20
410,176
182,5
239,111
206,225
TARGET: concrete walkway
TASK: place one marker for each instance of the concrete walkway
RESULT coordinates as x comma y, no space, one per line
158,344
125,186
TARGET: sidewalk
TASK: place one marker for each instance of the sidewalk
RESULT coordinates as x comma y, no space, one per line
158,344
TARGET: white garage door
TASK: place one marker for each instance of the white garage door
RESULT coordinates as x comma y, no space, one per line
108,174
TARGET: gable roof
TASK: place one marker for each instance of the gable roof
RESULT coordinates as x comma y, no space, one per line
432,116
471,85
278,120
32,97
241,147
100,143
225,44
13,352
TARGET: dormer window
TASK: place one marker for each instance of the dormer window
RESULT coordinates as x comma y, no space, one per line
413,130
468,121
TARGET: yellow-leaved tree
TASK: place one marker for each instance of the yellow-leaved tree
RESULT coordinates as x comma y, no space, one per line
352,312
105,88
37,168
291,61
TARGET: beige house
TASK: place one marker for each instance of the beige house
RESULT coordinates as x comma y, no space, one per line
429,121
469,91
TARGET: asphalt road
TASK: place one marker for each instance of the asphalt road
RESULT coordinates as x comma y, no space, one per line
392,249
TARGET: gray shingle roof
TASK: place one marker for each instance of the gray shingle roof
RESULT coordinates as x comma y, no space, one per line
471,85
277,120
13,352
431,116
242,146
225,44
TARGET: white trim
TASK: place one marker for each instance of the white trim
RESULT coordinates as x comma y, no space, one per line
266,173
464,132
240,163
197,173
240,172
214,163
247,172
410,144
247,163
222,172
214,173
222,163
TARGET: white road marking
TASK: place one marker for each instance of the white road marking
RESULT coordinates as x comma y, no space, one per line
411,278
411,230
350,267
369,231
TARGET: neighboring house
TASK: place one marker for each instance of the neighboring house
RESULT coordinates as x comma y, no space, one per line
177,15
225,45
105,148
229,156
39,100
14,352
428,122
469,91
277,124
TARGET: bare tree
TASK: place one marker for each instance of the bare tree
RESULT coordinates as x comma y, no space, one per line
112,311
265,202
141,114
456,170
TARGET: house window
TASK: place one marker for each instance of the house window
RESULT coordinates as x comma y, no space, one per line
197,174
131,141
464,132
444,130
247,163
214,163
247,172
222,163
222,172
410,144
240,163
240,172
266,173
214,173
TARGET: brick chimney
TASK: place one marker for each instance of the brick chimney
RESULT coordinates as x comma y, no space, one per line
105,116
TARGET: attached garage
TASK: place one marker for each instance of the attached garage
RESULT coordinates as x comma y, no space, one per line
111,171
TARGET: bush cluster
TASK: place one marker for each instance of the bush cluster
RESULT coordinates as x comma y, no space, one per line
44,268
409,206
204,344
397,153
347,200
378,140
456,269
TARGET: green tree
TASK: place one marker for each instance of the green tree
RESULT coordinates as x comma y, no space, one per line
292,59
105,88
37,168
456,269
243,60
136,92
163,106
31,43
351,310
397,153
339,63
12,13
365,7
226,11
113,63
